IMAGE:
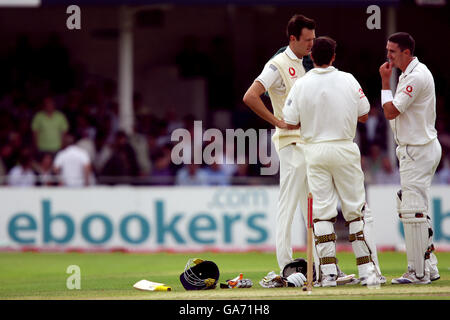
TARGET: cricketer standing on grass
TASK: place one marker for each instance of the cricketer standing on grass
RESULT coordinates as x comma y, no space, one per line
412,115
328,103
277,77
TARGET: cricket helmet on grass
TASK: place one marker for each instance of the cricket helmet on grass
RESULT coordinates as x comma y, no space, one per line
297,265
199,275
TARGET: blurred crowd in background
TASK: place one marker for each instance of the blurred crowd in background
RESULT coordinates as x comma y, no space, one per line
56,128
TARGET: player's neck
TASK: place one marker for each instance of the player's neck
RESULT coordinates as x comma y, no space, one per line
297,54
406,64
324,66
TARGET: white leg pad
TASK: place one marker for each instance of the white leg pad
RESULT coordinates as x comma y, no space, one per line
361,249
368,235
325,240
412,202
416,240
412,214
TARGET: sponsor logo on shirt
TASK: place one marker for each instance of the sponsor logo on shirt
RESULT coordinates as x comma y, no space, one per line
361,93
292,73
408,91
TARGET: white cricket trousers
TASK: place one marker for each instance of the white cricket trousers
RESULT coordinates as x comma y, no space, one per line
417,165
293,192
334,172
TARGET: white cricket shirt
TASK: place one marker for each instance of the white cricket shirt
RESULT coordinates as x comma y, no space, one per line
278,77
415,99
271,78
72,161
327,102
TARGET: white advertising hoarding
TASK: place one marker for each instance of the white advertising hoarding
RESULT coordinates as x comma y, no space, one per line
180,218
172,218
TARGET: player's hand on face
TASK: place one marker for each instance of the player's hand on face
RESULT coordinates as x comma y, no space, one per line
385,70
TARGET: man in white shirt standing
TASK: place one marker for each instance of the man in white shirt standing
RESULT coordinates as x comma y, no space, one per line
412,115
277,78
328,103
72,164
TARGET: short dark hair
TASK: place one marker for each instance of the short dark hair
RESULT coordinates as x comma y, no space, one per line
404,41
296,25
323,50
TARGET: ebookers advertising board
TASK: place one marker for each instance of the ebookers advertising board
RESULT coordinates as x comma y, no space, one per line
179,219
172,218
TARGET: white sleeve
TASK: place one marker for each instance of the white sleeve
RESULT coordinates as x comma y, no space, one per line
291,111
362,101
270,76
406,92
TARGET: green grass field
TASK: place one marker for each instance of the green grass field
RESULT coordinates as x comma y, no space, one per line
111,276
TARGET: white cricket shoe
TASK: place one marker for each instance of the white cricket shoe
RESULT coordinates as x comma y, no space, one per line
434,275
363,280
329,280
346,279
343,278
434,271
410,278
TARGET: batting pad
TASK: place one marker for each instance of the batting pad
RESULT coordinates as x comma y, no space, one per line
416,240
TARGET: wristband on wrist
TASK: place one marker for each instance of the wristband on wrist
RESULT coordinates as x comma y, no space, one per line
386,96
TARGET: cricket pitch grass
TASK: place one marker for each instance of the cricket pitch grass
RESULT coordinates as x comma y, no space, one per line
110,276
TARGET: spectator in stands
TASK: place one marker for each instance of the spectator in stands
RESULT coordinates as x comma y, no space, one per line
191,175
442,175
49,126
22,174
373,132
11,150
44,170
246,174
140,146
3,172
216,175
386,175
122,166
162,173
72,164
371,164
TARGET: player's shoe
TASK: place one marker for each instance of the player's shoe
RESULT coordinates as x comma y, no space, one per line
434,272
410,278
343,278
346,279
363,280
431,264
329,280
434,275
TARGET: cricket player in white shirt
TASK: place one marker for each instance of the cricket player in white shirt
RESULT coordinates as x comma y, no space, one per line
328,103
277,78
412,115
